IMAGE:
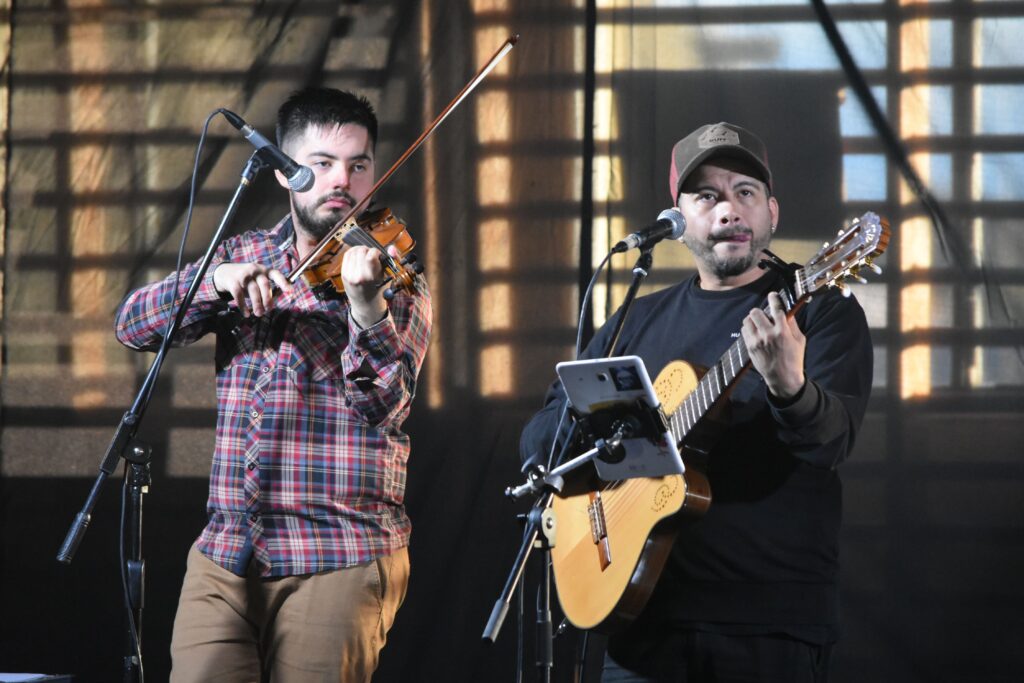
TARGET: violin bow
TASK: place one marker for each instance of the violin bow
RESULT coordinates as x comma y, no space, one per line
466,90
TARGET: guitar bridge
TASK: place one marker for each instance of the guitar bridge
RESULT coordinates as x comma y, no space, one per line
599,529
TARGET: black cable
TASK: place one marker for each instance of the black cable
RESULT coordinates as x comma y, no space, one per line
953,247
581,321
175,303
588,153
184,236
951,243
133,628
520,631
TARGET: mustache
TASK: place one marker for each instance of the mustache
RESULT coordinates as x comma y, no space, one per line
729,233
337,195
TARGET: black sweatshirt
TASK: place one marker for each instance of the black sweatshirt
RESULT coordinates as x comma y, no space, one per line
765,556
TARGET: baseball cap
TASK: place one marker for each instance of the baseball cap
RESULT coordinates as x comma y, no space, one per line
715,140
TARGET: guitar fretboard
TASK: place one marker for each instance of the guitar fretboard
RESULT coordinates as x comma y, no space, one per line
709,389
715,382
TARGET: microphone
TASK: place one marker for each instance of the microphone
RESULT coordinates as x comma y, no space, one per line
300,178
670,223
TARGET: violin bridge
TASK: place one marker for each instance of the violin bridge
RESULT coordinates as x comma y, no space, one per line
340,234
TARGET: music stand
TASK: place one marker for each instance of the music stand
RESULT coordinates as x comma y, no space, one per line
613,398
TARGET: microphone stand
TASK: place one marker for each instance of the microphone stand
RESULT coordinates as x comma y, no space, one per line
137,455
641,269
539,519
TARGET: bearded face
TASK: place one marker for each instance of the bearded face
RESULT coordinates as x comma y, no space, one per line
341,158
729,221
318,217
728,263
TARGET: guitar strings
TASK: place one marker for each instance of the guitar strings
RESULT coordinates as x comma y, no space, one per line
618,498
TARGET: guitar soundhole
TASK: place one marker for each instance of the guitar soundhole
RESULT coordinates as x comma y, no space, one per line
673,382
664,493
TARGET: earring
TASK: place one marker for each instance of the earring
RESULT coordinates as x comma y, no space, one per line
773,229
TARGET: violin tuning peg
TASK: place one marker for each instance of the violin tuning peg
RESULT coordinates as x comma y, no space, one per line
408,258
418,268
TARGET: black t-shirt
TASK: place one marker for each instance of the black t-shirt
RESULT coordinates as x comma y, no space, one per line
765,556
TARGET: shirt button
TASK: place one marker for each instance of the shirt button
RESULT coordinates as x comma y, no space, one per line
251,466
255,413
254,517
266,368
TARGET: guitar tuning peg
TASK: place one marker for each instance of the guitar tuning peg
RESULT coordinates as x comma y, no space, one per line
855,274
845,290
825,245
877,270
842,232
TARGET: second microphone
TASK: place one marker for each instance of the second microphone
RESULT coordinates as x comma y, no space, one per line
300,178
670,224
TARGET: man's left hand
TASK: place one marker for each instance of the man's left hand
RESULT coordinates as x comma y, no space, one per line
361,273
776,346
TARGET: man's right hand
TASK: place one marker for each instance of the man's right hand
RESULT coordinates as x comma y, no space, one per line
250,280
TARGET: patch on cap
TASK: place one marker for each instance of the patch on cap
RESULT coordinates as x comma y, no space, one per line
718,135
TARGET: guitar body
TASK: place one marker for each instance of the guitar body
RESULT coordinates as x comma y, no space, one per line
611,546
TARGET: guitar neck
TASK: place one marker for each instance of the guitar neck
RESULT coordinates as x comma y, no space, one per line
709,389
717,380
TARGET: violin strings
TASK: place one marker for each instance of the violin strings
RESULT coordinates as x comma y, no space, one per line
361,238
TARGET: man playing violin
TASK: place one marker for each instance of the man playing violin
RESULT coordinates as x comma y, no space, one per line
749,591
303,563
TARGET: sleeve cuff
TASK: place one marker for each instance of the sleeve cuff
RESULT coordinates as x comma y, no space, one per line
207,291
799,409
357,328
377,346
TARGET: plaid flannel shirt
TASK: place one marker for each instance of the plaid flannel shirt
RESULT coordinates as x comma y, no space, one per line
309,467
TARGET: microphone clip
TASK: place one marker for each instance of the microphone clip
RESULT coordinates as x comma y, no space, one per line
538,480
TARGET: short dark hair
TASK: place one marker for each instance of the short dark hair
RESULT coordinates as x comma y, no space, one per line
323,107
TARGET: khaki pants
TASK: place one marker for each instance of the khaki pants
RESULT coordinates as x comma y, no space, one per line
319,627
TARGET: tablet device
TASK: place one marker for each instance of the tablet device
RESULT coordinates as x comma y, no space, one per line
604,383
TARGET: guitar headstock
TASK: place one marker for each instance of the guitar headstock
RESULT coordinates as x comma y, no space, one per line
854,250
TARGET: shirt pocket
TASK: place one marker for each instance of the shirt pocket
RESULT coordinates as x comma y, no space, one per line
317,347
236,341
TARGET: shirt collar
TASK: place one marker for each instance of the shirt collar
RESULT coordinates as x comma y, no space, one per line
282,235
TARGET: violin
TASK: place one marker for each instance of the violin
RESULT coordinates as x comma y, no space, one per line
378,229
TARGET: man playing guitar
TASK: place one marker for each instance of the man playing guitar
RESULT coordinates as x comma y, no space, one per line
749,592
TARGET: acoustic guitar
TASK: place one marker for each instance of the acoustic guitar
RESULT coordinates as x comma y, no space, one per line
611,544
